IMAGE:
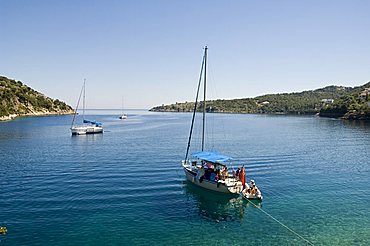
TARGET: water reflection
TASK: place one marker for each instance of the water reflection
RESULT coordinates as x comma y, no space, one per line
217,207
357,124
86,138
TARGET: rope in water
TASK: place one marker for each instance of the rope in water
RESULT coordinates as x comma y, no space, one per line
291,230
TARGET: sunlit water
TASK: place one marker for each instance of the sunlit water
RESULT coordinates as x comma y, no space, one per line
126,186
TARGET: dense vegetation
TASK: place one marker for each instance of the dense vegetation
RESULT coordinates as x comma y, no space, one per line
18,98
346,102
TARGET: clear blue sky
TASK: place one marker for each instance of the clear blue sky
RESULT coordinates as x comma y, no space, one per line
149,52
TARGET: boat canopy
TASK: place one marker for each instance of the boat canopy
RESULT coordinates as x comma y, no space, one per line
211,156
93,122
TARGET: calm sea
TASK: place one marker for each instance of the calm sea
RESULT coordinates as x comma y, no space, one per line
126,186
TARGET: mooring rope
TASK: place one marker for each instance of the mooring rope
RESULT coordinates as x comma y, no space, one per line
289,229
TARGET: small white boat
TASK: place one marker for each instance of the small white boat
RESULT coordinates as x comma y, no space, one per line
88,127
92,128
249,196
123,116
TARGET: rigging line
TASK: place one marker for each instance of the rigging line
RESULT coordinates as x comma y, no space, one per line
195,107
78,103
291,230
212,118
204,94
219,116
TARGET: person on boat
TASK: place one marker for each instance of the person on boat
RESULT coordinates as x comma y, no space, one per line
218,174
225,173
246,191
253,190
242,176
209,166
237,172
200,173
217,177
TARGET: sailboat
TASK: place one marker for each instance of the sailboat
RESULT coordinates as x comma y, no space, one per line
123,115
209,169
88,126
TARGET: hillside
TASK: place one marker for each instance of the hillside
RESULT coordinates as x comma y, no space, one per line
345,101
17,99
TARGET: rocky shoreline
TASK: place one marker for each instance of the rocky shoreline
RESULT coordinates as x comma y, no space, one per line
347,116
39,113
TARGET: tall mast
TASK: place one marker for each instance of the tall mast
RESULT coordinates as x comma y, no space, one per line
78,103
204,95
195,109
83,110
122,105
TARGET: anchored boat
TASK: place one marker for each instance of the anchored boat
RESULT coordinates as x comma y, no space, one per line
123,116
209,169
88,126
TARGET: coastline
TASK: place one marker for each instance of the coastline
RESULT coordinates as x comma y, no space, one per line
347,116
40,113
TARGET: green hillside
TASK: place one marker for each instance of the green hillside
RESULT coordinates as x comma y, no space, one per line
17,98
345,100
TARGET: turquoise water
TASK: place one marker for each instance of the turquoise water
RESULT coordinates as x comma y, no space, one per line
126,186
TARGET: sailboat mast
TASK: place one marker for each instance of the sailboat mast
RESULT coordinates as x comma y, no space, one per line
122,106
83,110
78,103
204,95
195,109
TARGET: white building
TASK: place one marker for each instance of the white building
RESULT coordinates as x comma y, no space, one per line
327,101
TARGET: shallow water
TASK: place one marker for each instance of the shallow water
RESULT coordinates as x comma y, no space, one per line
126,186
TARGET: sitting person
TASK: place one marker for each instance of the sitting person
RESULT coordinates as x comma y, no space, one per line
236,174
216,177
200,173
246,191
225,173
253,190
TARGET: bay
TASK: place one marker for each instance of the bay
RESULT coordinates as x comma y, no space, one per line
127,187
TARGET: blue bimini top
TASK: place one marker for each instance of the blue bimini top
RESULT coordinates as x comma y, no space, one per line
93,122
211,156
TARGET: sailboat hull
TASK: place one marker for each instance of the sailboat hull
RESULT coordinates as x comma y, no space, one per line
231,186
83,130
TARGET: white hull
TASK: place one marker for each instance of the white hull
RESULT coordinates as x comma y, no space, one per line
82,130
252,197
122,117
230,186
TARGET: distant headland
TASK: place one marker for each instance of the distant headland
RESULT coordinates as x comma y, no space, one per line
17,99
331,101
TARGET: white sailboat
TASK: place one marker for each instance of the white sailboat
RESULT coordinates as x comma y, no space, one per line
123,115
205,169
88,126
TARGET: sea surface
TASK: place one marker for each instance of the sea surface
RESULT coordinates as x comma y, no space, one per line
126,186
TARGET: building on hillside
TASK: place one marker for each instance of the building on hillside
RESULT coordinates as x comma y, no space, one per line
364,95
327,101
